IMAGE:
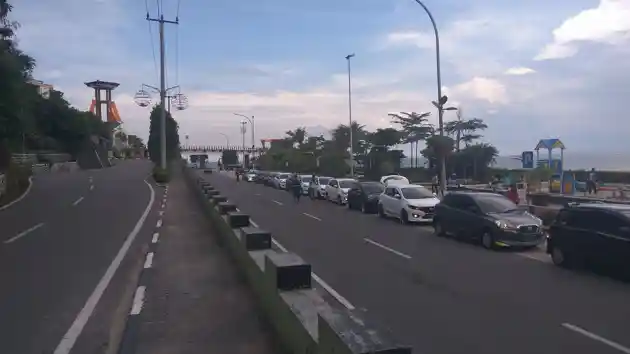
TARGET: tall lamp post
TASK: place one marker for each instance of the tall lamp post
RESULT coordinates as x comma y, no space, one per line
243,131
227,139
441,100
251,121
348,57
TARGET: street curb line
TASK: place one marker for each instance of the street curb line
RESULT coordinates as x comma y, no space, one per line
303,321
24,194
129,342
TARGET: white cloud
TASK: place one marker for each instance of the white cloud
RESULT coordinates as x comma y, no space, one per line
519,71
608,23
482,88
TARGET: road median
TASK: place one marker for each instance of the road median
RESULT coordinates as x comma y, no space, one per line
282,281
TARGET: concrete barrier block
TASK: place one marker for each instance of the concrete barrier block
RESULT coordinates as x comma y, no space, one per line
287,271
237,219
226,207
217,198
255,239
346,332
212,192
207,171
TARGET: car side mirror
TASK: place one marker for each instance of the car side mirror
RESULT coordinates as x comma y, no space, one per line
397,196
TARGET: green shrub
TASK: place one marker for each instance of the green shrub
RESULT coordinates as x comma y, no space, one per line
161,175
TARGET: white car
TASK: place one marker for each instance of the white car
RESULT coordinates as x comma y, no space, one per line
250,176
280,181
337,190
317,189
409,203
305,180
398,179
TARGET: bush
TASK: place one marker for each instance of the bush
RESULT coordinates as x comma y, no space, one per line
161,175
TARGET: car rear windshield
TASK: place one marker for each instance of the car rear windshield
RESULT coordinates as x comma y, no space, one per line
416,193
495,204
346,184
283,176
306,179
324,180
373,188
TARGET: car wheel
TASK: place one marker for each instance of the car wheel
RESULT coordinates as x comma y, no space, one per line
438,230
404,218
558,257
381,212
487,240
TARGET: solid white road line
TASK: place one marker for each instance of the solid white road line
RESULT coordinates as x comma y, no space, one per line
400,254
24,233
91,188
138,300
148,262
156,237
594,336
159,224
277,202
76,202
70,338
312,216
26,192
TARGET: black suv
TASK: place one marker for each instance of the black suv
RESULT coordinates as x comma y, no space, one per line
491,218
597,234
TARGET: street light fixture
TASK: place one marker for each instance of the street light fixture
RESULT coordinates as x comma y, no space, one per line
251,121
227,139
441,99
348,57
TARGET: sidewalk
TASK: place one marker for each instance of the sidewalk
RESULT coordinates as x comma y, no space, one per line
195,301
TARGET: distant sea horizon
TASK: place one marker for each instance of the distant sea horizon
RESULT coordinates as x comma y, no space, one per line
572,161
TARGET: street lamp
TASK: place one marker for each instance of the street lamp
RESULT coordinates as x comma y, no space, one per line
348,57
143,99
227,139
243,130
439,104
251,121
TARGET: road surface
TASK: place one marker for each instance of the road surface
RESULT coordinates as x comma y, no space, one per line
438,294
55,248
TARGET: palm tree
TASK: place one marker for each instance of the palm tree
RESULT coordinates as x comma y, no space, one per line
297,136
341,136
464,131
415,127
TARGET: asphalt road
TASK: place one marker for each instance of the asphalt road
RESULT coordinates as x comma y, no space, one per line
55,247
442,295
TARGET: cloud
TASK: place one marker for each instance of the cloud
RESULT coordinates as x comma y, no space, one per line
608,23
519,71
482,88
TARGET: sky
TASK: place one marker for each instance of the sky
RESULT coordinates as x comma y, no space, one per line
530,69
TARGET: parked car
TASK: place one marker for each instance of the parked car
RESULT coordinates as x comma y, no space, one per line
490,218
407,202
280,180
337,190
364,196
593,235
306,182
250,176
394,178
317,189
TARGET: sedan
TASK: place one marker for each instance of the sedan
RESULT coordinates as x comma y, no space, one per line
364,196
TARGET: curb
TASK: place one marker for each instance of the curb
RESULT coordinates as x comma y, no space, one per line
302,320
128,344
24,194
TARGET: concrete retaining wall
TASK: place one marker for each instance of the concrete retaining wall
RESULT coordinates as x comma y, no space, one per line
304,322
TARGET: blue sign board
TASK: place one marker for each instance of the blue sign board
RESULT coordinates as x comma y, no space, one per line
528,159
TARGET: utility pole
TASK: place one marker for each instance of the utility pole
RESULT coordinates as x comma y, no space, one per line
350,115
161,21
243,130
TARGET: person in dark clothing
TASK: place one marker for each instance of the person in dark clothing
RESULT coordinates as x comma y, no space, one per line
296,187
591,182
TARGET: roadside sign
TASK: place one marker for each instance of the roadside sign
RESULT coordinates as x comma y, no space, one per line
528,159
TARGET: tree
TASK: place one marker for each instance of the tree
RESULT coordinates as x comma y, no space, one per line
297,136
172,136
385,137
415,128
464,131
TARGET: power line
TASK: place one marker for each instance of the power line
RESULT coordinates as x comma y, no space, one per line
159,9
155,65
